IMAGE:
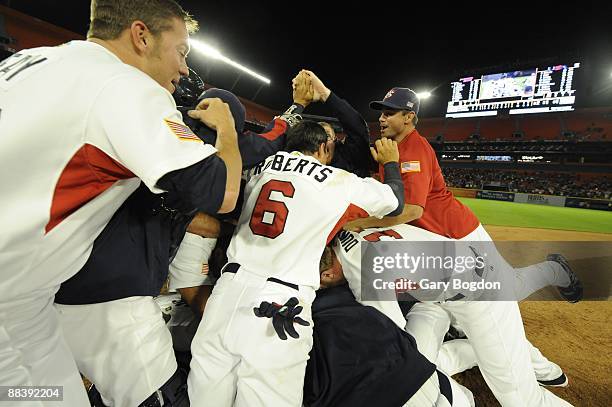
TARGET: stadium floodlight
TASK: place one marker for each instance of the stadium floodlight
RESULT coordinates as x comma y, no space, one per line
424,95
214,53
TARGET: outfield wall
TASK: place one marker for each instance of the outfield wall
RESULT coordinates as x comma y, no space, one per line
519,197
552,200
464,192
495,195
599,204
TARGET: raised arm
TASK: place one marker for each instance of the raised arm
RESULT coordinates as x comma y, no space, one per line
352,154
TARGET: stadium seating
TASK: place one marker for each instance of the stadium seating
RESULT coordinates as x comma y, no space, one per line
459,129
430,128
594,124
590,124
497,128
540,127
585,185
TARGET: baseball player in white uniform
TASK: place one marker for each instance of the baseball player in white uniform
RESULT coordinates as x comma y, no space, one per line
108,309
494,328
294,204
123,346
68,170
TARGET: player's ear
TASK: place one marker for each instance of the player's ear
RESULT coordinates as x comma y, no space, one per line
327,274
323,150
140,36
408,118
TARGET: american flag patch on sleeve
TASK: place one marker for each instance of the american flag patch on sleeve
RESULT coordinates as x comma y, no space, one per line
411,166
181,131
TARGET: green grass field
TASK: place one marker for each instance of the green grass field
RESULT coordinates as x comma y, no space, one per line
539,216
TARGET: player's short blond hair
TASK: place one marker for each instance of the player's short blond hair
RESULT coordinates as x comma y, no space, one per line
325,124
109,18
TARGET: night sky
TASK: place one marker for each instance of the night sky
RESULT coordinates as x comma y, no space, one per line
361,51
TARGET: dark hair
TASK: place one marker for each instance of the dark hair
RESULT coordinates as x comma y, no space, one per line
109,18
306,137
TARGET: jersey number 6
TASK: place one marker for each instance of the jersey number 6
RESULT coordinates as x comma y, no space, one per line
273,224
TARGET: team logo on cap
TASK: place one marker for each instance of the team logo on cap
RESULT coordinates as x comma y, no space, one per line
389,94
409,104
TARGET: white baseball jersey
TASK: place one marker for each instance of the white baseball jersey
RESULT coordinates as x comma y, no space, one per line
78,127
347,248
348,251
506,360
293,206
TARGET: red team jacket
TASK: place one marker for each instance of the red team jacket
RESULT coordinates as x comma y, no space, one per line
424,186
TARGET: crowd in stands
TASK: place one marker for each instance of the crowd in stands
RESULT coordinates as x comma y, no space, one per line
514,146
509,147
540,182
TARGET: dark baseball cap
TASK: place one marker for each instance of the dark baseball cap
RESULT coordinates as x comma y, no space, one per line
236,107
398,99
205,133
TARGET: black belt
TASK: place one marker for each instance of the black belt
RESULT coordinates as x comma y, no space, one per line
172,393
233,268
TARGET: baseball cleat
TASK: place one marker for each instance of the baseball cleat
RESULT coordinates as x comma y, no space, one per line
560,381
573,292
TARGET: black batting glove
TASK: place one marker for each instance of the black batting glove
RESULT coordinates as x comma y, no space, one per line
283,317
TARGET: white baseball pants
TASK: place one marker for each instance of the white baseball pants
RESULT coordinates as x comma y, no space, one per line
238,359
33,351
122,346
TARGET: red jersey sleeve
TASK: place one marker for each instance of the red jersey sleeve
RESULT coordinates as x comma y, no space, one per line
417,173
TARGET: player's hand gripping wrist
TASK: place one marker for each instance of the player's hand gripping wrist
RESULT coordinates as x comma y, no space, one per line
302,89
320,91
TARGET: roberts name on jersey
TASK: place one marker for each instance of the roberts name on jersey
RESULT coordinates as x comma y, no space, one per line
295,162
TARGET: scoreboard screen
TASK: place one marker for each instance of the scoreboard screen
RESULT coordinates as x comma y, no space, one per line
537,90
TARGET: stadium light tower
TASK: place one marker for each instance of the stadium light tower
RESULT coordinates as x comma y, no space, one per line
214,53
424,95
